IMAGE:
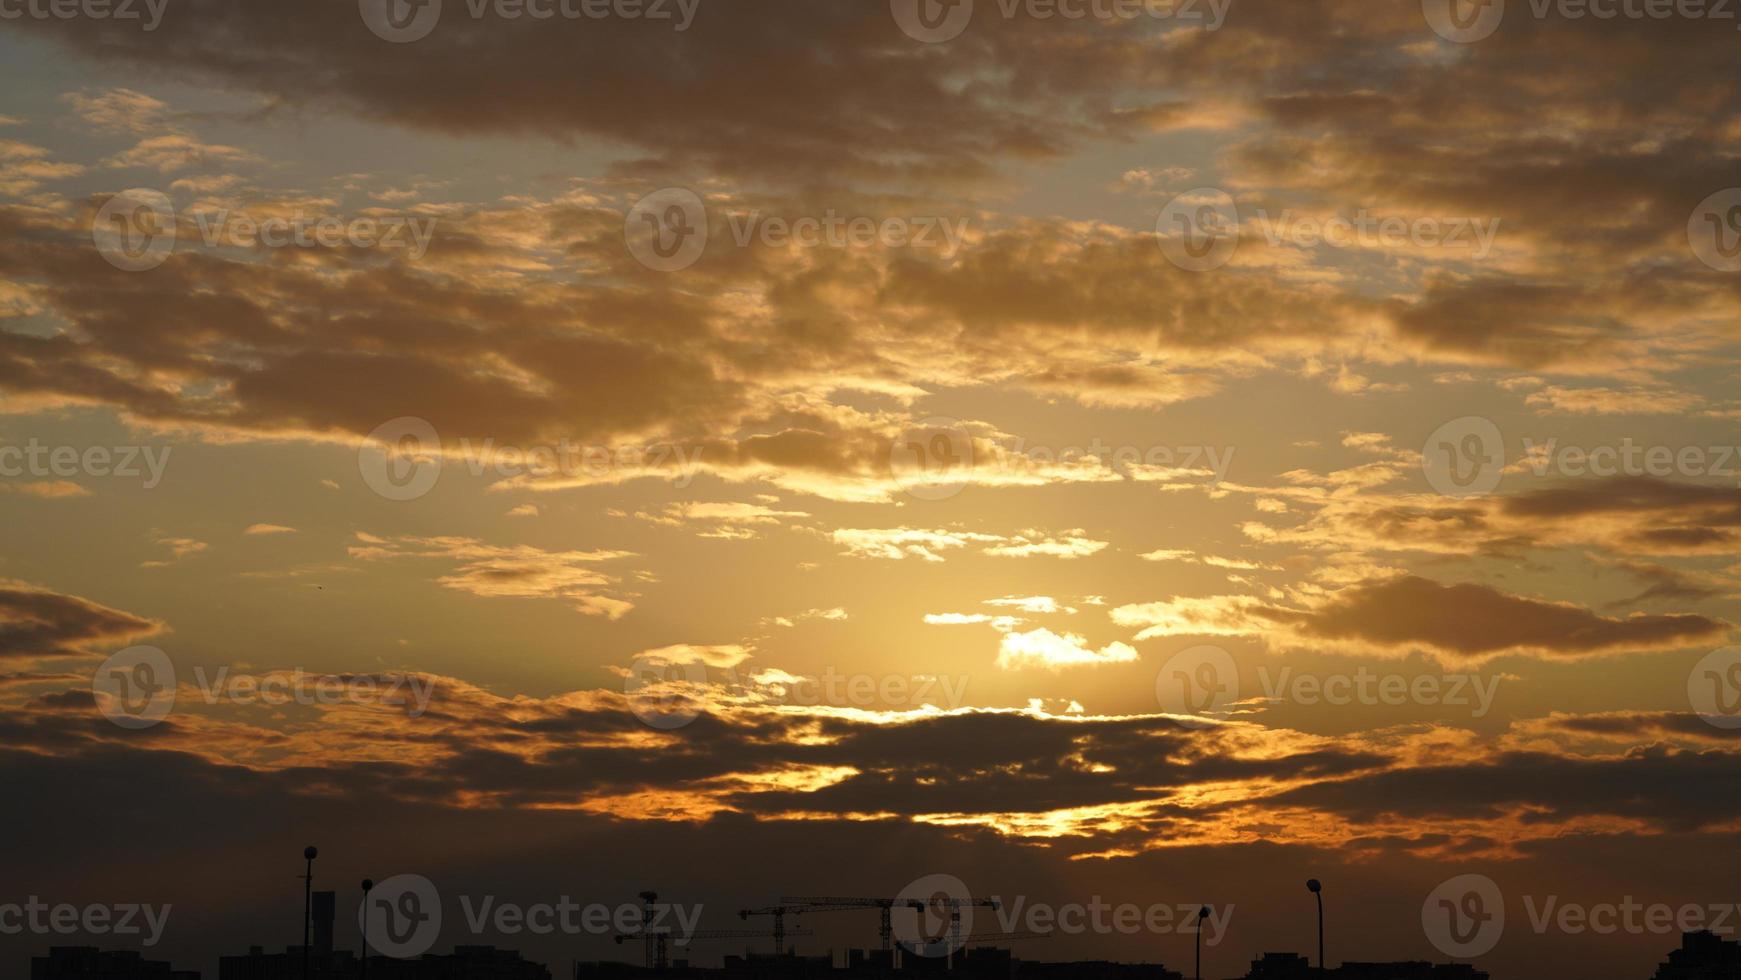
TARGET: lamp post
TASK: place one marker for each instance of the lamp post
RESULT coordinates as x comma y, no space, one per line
368,883
1317,889
308,854
1202,913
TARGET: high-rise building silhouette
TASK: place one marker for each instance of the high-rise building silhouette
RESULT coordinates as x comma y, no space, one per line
464,963
323,911
90,963
1292,966
1703,956
971,963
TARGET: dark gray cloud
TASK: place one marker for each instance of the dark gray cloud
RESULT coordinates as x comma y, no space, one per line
38,624
1475,620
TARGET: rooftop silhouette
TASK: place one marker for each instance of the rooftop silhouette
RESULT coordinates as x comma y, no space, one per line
1703,956
464,963
90,963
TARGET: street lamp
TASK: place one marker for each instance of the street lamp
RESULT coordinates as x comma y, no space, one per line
368,883
308,854
1202,913
1317,889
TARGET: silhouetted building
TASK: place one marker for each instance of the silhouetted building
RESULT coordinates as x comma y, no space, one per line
90,963
985,962
1093,970
1406,970
1702,956
464,963
870,960
324,905
751,966
1279,966
261,965
972,963
1292,966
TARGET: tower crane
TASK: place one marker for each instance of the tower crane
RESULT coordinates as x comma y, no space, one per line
654,951
954,906
885,929
659,947
1000,937
885,909
778,913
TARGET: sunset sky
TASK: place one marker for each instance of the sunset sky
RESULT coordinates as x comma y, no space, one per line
794,448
